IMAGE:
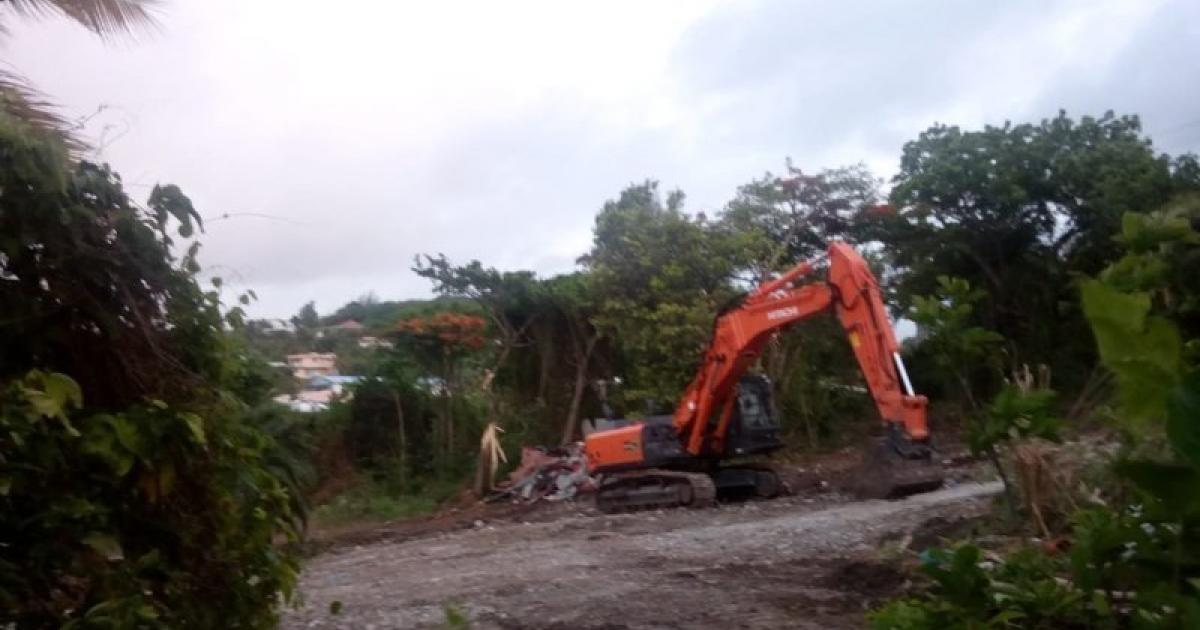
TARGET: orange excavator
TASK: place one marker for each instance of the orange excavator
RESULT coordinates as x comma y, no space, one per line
727,412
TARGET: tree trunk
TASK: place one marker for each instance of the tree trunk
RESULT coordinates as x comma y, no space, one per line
775,359
1009,499
449,426
545,346
509,338
811,426
483,472
403,437
449,388
583,358
970,396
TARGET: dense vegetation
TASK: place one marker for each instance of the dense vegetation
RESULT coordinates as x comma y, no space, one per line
1134,560
137,487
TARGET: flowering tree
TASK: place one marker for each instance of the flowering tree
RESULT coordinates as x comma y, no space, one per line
442,344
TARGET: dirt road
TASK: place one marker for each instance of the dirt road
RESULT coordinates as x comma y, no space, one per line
790,563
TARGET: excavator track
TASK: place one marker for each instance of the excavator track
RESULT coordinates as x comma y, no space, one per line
654,489
749,480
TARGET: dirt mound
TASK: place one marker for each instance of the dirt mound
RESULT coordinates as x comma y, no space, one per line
939,530
877,580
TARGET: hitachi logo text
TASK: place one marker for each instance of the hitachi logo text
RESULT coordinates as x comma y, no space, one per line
780,313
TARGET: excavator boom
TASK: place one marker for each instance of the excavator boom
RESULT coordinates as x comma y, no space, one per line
741,334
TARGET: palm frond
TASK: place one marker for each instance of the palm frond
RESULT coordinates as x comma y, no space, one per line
106,18
24,102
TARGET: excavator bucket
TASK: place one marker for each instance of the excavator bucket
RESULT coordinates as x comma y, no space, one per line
893,468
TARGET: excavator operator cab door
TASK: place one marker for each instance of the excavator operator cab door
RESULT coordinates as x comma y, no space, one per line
754,427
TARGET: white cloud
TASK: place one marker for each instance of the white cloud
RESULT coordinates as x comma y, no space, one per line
376,131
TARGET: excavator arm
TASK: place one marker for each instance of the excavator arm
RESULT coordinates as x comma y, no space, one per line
860,308
740,335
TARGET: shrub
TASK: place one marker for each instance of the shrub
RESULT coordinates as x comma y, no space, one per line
1133,564
135,490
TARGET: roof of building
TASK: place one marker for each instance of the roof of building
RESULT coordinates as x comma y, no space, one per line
312,357
315,396
329,380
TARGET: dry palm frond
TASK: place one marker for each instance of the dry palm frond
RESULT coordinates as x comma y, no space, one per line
24,102
105,18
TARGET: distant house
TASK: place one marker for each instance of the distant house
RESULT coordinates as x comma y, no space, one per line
303,404
318,392
309,364
373,342
335,383
273,326
349,326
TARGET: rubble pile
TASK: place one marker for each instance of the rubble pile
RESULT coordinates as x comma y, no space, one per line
548,474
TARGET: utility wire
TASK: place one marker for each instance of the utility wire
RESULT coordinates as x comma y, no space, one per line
253,215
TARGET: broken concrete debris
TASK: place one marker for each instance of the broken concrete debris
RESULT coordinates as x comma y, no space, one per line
548,474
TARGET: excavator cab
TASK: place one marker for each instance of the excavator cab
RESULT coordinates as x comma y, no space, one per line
754,427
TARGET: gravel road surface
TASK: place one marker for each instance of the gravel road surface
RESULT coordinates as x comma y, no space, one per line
789,563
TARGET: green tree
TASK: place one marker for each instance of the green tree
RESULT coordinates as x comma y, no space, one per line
784,219
307,324
1016,210
359,310
1160,259
946,331
503,297
307,317
135,490
393,418
575,302
964,352
443,344
1134,560
663,276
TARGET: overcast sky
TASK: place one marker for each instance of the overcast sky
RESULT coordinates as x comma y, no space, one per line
375,130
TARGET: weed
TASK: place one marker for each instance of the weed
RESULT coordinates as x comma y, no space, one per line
456,619
373,501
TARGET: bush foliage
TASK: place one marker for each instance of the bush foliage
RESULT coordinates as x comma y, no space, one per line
1134,560
134,489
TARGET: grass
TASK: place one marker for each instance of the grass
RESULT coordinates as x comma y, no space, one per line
373,501
456,619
